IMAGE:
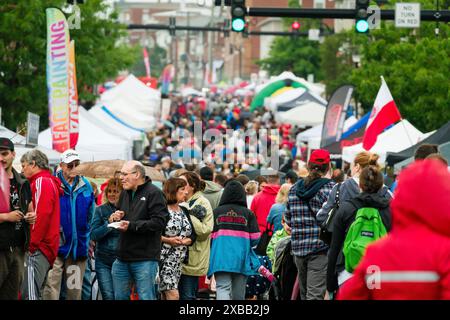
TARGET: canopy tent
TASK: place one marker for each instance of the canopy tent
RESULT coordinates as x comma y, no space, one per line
309,114
289,75
350,137
305,97
185,92
133,102
316,131
122,129
287,96
441,136
94,142
13,136
268,90
398,137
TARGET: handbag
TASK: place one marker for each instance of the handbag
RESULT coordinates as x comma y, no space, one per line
264,240
326,228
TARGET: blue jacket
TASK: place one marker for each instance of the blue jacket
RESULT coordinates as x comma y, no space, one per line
235,232
275,215
77,209
107,238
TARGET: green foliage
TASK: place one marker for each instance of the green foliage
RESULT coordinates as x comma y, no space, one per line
157,57
23,54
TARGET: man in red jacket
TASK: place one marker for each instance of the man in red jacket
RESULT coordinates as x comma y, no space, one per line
263,201
44,242
413,260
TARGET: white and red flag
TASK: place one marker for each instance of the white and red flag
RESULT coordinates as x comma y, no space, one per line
384,113
146,62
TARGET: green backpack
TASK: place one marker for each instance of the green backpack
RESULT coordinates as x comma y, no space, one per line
366,228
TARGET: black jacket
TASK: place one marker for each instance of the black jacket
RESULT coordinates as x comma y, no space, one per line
7,229
148,216
344,218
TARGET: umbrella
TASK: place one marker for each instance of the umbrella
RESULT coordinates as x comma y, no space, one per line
110,168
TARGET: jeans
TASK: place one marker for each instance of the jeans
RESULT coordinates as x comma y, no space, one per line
188,287
230,286
142,273
105,278
11,273
312,276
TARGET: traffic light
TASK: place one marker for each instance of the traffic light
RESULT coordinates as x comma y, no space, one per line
361,24
238,12
172,25
295,28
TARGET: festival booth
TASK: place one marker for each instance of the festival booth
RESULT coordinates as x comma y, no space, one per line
306,115
400,136
316,131
94,142
134,103
21,148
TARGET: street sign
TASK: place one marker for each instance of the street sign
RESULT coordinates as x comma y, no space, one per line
407,15
32,129
313,34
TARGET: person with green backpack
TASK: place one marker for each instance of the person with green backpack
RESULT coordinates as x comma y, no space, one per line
358,222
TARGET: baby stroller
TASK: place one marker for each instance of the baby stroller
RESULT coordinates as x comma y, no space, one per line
285,273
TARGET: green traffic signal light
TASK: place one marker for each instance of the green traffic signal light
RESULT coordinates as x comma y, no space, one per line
362,26
238,25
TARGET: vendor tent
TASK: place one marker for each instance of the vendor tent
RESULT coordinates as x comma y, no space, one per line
444,150
440,136
398,137
309,114
94,142
316,131
133,102
305,97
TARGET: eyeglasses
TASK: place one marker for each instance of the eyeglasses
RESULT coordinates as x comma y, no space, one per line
124,174
73,165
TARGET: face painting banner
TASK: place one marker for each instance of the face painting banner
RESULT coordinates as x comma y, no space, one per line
58,78
333,124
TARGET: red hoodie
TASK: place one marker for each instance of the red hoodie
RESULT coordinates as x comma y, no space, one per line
262,202
413,261
46,190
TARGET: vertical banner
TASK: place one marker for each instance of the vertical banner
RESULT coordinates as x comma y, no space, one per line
167,76
333,123
146,62
57,78
74,126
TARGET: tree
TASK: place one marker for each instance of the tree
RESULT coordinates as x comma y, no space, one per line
23,54
158,60
414,63
298,55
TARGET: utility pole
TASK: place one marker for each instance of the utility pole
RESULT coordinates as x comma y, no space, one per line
210,49
187,49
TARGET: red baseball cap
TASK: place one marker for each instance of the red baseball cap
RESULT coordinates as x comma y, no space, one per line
320,156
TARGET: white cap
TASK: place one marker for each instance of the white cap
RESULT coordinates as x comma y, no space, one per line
69,155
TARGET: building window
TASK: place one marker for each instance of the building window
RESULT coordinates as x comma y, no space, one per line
319,4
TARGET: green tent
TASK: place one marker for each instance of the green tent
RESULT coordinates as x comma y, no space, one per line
267,91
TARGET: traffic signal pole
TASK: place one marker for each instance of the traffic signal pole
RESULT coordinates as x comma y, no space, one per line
425,15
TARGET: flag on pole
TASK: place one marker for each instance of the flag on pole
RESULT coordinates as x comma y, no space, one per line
58,78
384,113
73,98
146,61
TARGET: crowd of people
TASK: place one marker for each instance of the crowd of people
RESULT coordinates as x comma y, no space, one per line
224,226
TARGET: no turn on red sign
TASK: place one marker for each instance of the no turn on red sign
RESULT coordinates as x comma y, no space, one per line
407,15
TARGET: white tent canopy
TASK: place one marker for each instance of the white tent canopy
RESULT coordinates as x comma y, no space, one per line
399,137
191,92
133,102
119,127
309,114
94,143
13,136
316,131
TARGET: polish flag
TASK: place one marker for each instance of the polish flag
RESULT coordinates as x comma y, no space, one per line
384,113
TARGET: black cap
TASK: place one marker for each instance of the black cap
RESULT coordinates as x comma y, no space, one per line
7,144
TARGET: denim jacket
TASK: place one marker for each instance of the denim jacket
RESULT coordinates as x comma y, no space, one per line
107,238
